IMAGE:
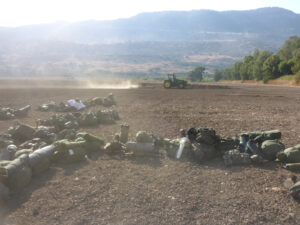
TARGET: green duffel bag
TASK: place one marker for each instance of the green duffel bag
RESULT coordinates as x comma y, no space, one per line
265,135
270,148
290,155
70,155
23,152
144,137
66,144
90,138
17,174
40,159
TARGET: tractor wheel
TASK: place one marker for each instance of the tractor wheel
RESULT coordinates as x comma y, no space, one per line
181,85
167,84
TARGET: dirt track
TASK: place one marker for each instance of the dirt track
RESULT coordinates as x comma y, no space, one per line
108,190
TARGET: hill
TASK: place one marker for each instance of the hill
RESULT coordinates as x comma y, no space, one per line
147,44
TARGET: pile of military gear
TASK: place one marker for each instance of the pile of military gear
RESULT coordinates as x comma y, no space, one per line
76,120
77,104
7,113
56,107
145,144
39,148
199,144
107,101
76,150
254,147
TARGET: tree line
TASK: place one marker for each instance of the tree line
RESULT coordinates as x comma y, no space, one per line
264,65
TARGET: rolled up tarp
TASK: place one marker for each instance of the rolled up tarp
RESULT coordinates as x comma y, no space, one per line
66,144
40,159
141,149
17,174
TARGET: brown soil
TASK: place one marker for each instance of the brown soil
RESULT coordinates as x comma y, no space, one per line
106,190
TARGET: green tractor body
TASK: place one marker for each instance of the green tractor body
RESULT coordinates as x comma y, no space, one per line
173,82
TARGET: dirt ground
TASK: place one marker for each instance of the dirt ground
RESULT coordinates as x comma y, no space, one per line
115,190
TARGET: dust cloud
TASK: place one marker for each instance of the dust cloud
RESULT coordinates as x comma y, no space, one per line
123,84
67,83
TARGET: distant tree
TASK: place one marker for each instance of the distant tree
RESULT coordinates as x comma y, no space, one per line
196,74
218,75
285,68
258,64
289,47
295,62
271,68
237,71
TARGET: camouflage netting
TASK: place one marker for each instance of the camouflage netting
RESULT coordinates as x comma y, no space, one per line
8,113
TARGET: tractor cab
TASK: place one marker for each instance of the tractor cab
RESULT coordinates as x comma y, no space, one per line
172,77
172,81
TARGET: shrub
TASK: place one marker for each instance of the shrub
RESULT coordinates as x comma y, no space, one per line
297,77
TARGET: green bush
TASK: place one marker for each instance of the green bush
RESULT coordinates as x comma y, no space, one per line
297,77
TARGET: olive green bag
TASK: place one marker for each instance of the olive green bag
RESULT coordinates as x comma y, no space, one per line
17,174
290,155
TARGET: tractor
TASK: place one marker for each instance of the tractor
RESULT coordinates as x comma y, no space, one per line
172,82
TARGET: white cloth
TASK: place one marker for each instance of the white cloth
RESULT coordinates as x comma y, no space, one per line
78,105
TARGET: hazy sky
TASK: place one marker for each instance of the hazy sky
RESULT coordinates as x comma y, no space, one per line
23,12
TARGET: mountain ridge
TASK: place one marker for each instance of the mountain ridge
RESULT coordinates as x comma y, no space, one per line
166,26
148,43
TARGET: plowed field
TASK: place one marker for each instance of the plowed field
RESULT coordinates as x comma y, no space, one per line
117,190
